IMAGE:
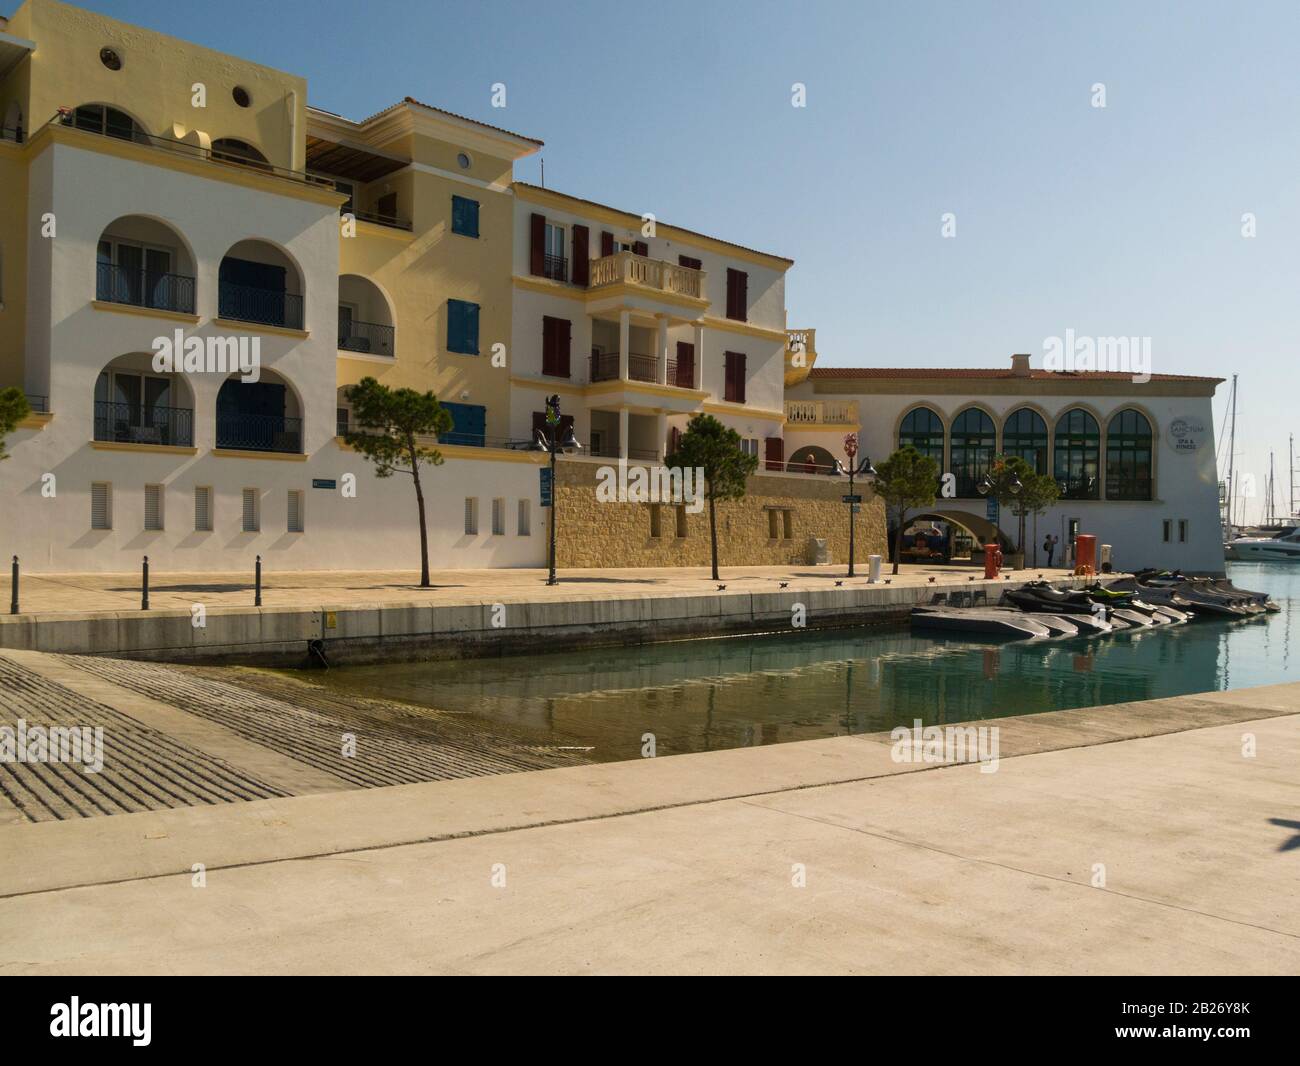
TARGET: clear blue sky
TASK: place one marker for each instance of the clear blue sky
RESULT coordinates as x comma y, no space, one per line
1122,221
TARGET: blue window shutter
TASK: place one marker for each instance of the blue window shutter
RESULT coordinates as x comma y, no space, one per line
464,216
462,327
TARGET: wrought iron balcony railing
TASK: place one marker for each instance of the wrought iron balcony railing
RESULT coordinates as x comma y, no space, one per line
128,423
259,433
268,307
371,338
144,288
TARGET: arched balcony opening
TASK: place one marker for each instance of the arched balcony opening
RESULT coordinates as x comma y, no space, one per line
1129,457
136,405
974,442
1024,435
142,262
1077,459
365,318
259,283
259,416
811,459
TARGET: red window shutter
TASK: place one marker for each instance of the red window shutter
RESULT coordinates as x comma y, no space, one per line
641,248
774,453
537,250
563,339
687,261
734,380
728,375
685,365
581,257
606,244
737,294
548,345
740,377
674,439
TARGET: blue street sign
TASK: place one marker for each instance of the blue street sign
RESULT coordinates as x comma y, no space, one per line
991,510
323,483
546,485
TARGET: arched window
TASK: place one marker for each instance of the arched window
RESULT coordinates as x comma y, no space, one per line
974,440
923,430
1128,457
109,121
230,150
1078,456
1024,435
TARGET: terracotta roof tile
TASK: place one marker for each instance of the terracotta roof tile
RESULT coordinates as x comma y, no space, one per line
931,373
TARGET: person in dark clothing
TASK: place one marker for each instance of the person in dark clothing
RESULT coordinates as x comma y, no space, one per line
1049,546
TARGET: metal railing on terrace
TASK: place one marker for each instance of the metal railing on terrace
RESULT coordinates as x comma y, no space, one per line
605,367
259,433
371,338
268,307
64,117
128,423
144,288
821,412
392,221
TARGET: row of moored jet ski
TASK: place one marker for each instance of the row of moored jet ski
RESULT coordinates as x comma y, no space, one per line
1150,598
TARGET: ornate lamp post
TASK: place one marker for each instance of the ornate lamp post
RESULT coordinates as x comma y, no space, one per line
865,468
550,442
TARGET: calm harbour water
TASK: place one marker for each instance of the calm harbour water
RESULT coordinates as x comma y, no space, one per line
704,695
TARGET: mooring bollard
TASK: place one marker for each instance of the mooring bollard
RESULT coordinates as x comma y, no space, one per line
13,589
257,591
144,585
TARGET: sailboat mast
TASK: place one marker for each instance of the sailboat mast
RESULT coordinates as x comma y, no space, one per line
1232,442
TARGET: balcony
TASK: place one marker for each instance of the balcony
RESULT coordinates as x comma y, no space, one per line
821,412
125,423
259,433
604,367
369,338
143,288
555,267
267,307
656,275
391,221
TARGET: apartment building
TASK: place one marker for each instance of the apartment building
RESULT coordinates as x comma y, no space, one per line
156,189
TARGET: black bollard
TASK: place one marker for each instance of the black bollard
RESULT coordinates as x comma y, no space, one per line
13,589
257,593
144,585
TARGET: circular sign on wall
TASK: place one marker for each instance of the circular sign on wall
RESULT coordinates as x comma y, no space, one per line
1187,433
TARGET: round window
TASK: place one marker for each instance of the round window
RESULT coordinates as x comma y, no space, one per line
463,161
241,96
110,59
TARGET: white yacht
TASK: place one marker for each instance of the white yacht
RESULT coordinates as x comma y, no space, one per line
1282,546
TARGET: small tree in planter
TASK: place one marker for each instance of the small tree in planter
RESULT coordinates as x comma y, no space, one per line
1016,486
906,481
710,446
395,425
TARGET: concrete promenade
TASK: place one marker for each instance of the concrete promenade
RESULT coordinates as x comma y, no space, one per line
384,615
1135,838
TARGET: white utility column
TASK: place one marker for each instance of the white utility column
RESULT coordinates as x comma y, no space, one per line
624,340
622,431
661,350
699,356
661,430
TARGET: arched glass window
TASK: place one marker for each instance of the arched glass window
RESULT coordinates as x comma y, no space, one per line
109,121
974,440
1024,435
923,430
1128,457
1078,456
230,150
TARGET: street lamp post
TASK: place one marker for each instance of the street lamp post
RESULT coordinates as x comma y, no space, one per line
851,450
550,442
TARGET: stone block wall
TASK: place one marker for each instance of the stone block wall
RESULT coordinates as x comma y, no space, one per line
593,533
